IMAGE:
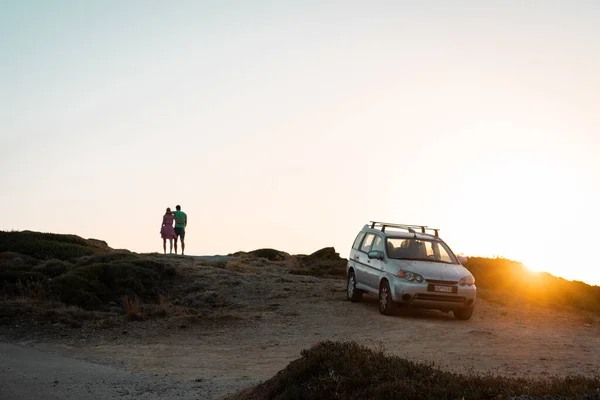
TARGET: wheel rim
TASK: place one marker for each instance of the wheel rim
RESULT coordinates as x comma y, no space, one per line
351,286
383,298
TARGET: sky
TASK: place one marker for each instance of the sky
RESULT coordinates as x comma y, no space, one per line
292,124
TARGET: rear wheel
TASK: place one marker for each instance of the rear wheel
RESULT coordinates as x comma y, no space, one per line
463,314
353,293
386,304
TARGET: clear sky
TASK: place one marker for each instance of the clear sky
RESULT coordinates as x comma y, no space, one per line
291,124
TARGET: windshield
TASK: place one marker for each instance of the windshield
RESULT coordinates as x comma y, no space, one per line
419,249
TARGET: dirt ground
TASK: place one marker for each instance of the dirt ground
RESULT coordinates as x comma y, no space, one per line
263,317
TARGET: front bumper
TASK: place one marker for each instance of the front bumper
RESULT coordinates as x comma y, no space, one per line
418,295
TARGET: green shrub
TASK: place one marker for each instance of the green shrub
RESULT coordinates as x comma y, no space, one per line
53,268
102,279
73,289
45,246
333,370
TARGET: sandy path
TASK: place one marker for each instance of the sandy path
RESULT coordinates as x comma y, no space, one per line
28,373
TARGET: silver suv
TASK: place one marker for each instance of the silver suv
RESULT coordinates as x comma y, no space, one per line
404,265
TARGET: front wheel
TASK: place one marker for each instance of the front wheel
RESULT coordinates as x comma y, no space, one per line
386,304
463,314
353,293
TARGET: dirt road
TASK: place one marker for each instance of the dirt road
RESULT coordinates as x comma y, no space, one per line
28,373
221,356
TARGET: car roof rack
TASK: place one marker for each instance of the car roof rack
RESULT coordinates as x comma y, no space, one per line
410,228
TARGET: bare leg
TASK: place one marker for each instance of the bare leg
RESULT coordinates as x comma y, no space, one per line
176,244
170,245
182,246
164,246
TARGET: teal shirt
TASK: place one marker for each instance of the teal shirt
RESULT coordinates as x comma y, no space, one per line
180,219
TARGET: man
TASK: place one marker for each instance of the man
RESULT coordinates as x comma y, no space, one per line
180,224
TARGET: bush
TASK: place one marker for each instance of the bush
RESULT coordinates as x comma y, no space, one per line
53,268
103,279
333,370
45,246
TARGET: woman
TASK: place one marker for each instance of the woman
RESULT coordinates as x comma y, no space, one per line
167,231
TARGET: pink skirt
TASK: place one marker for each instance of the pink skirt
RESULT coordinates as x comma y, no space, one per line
167,232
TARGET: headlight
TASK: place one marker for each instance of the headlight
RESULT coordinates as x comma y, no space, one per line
467,280
410,276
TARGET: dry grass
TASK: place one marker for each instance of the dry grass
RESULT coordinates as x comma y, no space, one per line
164,305
35,290
133,307
240,266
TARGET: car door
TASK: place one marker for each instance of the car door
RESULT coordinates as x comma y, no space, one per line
374,268
352,259
361,258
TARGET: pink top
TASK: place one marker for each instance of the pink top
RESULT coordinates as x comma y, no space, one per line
168,219
167,231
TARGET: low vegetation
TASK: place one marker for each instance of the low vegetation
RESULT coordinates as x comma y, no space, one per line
334,370
45,277
500,279
45,246
88,282
95,279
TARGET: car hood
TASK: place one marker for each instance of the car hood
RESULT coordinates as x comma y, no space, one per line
434,270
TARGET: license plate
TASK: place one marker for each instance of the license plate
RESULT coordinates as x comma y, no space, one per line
445,289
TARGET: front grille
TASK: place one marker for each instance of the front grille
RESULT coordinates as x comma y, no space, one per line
441,282
440,297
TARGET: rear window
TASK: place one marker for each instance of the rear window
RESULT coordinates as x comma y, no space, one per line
366,246
357,241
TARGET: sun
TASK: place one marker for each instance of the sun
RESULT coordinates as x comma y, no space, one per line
534,267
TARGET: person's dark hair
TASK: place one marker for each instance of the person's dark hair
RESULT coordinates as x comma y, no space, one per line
178,208
168,210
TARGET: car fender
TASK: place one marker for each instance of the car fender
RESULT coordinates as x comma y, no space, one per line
392,282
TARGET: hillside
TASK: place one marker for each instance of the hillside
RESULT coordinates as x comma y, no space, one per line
87,273
239,321
66,279
510,282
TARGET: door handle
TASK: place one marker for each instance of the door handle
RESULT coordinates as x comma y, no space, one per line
357,257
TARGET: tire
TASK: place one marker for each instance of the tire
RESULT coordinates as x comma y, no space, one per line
463,314
386,304
352,292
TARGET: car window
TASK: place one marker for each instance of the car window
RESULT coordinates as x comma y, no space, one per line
357,241
417,249
377,244
366,245
438,252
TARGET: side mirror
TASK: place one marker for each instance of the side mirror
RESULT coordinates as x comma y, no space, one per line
462,259
376,254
